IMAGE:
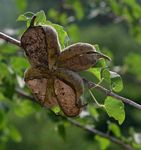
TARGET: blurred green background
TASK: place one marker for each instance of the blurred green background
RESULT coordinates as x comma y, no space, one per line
115,25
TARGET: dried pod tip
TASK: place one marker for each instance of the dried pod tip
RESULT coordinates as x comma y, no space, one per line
32,21
100,55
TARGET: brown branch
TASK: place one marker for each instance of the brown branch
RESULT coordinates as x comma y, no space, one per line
86,127
97,132
24,95
10,39
112,94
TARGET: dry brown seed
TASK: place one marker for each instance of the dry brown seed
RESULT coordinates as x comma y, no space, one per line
42,86
76,50
81,62
34,43
66,98
72,79
79,57
53,46
43,92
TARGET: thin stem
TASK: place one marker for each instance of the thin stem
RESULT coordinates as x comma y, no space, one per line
97,132
24,95
112,94
98,104
10,39
85,127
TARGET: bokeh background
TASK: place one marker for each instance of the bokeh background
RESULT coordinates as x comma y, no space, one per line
115,25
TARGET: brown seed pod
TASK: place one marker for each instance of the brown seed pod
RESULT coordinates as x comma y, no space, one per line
51,77
53,46
41,46
42,86
72,79
34,43
66,98
79,57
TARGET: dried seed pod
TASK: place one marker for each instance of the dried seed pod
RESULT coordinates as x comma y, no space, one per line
43,92
34,43
42,86
68,89
41,46
36,73
53,45
72,79
76,50
79,57
66,98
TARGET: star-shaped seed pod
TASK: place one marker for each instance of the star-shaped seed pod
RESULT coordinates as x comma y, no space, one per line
52,76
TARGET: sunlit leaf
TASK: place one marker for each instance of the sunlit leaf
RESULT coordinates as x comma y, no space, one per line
133,63
116,81
113,79
103,142
93,112
97,47
19,64
73,32
56,109
101,63
21,5
25,17
78,9
115,129
95,72
3,70
15,134
24,108
115,109
105,74
40,18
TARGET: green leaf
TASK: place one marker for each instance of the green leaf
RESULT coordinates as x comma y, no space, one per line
96,46
101,63
105,74
14,134
113,79
115,129
25,17
40,18
73,32
21,5
56,109
93,111
19,64
78,9
103,142
8,49
116,81
53,13
8,87
133,63
115,109
3,70
24,108
95,72
22,18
